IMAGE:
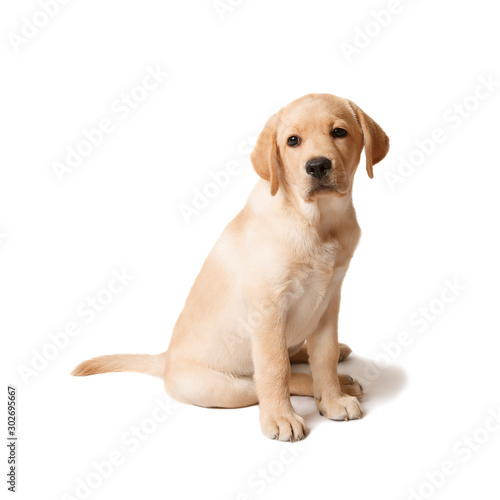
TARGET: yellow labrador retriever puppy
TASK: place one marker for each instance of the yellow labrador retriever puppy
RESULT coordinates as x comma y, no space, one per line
268,293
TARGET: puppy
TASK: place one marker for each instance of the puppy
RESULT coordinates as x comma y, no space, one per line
268,293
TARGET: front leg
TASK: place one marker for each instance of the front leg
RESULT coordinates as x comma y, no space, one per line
272,382
323,348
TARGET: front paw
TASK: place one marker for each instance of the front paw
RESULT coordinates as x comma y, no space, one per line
285,426
344,407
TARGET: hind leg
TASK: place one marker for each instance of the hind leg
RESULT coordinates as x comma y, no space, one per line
301,356
197,385
301,384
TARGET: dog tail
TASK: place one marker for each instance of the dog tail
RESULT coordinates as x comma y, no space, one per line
150,364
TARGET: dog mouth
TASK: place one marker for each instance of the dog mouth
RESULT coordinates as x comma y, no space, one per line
326,189
323,188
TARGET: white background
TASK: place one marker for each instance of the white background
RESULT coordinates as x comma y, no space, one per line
120,208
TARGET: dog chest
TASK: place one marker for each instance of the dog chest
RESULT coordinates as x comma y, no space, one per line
309,299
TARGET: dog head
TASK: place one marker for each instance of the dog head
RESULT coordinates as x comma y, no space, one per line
313,146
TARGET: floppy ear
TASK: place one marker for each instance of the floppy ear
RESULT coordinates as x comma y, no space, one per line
376,140
264,157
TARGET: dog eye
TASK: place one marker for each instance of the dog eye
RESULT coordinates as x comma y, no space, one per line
338,132
293,141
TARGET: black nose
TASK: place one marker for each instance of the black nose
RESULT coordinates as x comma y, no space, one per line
318,167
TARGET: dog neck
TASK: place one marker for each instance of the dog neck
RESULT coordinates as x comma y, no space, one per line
324,212
326,215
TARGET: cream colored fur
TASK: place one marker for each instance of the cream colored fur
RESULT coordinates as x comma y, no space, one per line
268,293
